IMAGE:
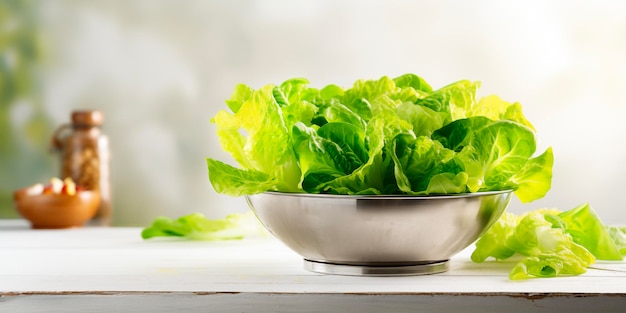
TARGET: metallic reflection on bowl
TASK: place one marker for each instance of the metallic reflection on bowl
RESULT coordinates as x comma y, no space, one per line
378,235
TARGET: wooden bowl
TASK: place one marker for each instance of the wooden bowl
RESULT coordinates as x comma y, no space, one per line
51,211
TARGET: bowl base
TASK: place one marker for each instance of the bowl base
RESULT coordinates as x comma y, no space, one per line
377,270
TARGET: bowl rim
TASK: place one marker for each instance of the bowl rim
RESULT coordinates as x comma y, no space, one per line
386,197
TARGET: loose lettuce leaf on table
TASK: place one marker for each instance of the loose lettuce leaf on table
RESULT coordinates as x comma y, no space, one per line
493,242
547,251
585,226
550,251
196,226
553,242
558,263
618,235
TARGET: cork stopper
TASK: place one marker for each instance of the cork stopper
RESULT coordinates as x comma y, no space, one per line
87,118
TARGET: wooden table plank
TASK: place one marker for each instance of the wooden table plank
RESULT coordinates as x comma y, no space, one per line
113,269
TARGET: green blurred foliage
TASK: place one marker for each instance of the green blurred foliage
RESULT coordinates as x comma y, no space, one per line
24,126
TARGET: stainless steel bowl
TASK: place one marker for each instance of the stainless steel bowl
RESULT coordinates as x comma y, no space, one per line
378,235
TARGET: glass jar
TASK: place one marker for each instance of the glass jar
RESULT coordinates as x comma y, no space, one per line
84,155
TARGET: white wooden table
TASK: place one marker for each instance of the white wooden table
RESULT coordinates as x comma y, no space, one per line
114,270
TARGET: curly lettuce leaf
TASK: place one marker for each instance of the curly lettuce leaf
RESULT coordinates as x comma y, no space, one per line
618,235
456,135
558,263
334,150
420,160
497,155
534,180
229,180
241,94
547,249
363,92
493,242
585,226
413,81
495,109
264,149
447,183
534,235
335,112
335,158
425,121
455,99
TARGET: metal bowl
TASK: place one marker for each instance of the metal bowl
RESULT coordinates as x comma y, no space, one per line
378,235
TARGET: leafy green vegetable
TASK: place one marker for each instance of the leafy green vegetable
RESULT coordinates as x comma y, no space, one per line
196,226
552,242
586,228
247,181
493,242
557,263
413,81
498,154
384,136
263,149
618,235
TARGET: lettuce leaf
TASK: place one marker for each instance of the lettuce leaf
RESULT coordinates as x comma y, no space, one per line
196,226
558,263
233,181
493,242
586,228
553,242
618,235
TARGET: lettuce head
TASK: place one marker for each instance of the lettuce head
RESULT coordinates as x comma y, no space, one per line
381,136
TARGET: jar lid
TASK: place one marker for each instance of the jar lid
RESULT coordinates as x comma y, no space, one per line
87,118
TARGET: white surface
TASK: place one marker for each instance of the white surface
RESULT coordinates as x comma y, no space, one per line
88,268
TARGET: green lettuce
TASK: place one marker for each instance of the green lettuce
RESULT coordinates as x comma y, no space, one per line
383,136
586,228
618,235
552,242
196,226
493,242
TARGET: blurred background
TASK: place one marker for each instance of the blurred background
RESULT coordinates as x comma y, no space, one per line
159,70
